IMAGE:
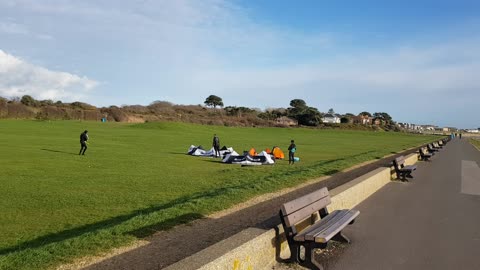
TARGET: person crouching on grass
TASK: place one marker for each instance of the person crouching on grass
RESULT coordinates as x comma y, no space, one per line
83,142
291,152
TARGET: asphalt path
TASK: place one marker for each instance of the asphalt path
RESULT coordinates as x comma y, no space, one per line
431,222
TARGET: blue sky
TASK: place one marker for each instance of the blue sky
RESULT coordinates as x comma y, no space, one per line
416,60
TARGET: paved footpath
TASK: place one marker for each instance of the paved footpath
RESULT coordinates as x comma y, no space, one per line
431,222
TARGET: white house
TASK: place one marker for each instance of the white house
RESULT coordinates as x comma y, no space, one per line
331,118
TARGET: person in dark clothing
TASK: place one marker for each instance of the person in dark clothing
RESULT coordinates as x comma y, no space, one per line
216,145
291,152
83,142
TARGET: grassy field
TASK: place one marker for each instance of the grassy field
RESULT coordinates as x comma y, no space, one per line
136,179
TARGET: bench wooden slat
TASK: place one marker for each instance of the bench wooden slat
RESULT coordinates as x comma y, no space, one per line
327,234
400,160
307,211
318,226
303,207
409,168
303,201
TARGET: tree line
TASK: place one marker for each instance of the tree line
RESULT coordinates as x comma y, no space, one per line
299,110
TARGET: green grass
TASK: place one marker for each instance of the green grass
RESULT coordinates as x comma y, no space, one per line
475,142
136,179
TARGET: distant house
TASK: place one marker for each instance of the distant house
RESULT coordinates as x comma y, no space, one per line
473,130
429,127
331,118
362,119
286,121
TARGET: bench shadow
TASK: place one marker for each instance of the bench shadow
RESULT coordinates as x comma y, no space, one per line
58,151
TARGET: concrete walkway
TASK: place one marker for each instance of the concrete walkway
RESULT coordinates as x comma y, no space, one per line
431,222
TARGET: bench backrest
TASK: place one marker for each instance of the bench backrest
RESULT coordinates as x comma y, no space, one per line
399,162
303,207
423,151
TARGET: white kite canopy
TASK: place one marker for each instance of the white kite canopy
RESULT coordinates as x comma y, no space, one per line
199,151
261,159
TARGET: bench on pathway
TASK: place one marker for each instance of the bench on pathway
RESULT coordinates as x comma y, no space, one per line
317,233
432,149
437,145
424,155
402,170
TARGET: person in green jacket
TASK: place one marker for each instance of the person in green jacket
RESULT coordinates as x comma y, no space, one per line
291,152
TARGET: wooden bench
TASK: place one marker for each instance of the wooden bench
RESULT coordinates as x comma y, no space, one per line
432,149
437,145
316,233
402,170
424,155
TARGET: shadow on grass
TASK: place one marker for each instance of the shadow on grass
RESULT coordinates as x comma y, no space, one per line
58,151
165,225
112,222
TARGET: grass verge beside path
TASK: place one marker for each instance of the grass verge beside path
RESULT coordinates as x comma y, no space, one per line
475,142
136,179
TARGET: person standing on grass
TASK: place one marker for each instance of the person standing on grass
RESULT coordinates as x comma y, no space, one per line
216,145
83,142
291,152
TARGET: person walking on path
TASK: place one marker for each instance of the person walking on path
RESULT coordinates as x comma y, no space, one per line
83,142
291,152
216,145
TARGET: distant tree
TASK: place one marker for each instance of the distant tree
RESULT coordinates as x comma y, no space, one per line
161,103
331,111
310,117
344,120
214,101
298,103
349,115
28,100
365,114
272,114
383,116
45,102
237,111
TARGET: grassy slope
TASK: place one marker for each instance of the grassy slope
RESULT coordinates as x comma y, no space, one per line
136,179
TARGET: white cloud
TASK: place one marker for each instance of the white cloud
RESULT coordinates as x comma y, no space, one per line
18,78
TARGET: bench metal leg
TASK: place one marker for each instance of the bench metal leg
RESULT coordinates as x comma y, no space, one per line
340,237
310,262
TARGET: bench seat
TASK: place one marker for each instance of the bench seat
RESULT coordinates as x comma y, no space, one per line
424,155
409,168
328,227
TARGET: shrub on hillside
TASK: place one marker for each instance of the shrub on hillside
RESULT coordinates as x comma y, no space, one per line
20,111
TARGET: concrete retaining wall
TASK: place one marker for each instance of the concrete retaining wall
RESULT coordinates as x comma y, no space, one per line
255,248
